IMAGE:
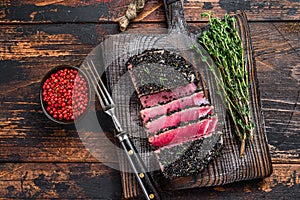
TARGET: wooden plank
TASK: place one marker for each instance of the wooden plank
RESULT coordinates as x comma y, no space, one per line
277,57
59,181
96,181
283,183
111,11
24,63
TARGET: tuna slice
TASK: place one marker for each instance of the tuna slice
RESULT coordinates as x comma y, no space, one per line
183,116
196,99
198,129
190,157
167,95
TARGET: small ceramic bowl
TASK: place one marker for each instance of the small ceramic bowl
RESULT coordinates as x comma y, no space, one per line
45,104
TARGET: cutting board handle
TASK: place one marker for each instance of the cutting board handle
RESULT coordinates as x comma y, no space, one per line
175,16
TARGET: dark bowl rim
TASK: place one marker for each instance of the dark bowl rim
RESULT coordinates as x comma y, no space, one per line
48,74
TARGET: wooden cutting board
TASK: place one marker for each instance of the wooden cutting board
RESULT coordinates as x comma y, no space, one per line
227,168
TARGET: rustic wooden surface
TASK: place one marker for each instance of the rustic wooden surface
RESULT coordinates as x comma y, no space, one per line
40,159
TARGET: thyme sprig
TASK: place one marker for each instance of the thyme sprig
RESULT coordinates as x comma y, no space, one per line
225,46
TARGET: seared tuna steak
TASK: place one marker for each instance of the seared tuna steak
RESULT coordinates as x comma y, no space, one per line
179,121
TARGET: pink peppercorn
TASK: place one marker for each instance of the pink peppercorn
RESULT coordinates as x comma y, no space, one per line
65,94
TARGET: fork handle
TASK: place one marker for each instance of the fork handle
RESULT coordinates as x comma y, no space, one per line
143,177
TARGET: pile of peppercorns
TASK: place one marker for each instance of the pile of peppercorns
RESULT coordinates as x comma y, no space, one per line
65,94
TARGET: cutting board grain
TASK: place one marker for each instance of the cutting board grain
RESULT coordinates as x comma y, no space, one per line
227,168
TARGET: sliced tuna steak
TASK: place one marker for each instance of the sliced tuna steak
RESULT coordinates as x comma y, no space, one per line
179,120
167,95
196,99
183,116
198,129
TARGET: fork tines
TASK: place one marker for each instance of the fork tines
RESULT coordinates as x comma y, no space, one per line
100,89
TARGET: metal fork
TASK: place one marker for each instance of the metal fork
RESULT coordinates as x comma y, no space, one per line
143,177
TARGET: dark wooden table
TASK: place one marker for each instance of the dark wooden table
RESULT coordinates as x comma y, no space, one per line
41,159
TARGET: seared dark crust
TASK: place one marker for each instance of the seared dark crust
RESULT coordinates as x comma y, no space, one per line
190,157
158,62
156,77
